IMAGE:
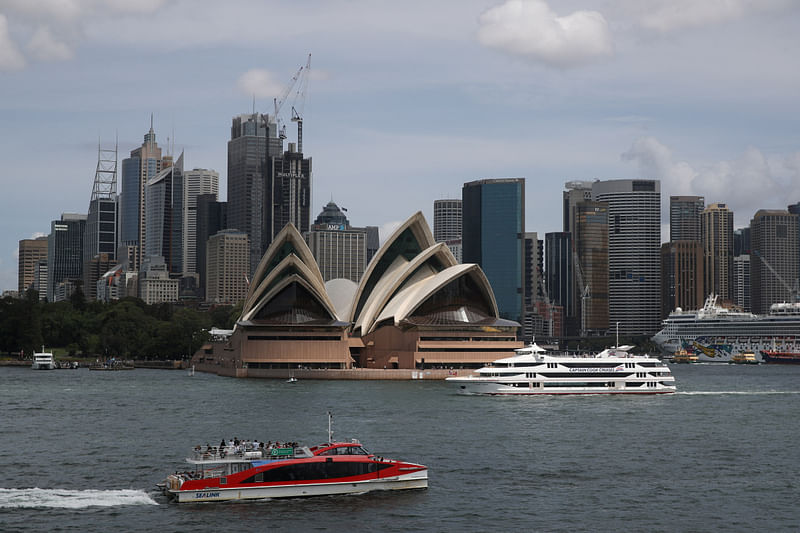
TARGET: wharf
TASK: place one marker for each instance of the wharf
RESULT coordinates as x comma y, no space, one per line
351,374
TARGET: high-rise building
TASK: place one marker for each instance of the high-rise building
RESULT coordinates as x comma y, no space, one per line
195,182
101,222
30,252
340,250
493,225
681,276
590,244
154,282
576,191
287,194
65,252
164,216
558,273
143,164
447,225
228,263
212,216
717,230
741,241
534,266
684,218
634,240
254,138
741,282
774,258
40,278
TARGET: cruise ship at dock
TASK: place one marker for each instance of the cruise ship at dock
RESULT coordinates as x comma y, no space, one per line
718,334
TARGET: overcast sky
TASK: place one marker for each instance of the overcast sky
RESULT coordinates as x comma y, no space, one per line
408,100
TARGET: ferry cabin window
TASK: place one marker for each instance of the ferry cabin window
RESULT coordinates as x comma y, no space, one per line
317,470
346,450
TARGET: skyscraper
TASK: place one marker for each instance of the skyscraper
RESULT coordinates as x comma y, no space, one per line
634,240
65,252
101,222
143,164
684,218
253,140
340,249
741,282
228,261
558,272
590,243
717,224
774,258
447,224
164,216
212,216
196,182
287,194
681,276
576,191
493,225
30,252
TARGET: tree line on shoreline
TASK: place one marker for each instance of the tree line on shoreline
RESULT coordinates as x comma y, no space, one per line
126,328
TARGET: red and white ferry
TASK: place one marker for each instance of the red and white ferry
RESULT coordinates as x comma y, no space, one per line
221,474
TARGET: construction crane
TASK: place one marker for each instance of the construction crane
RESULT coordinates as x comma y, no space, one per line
280,100
794,293
584,290
300,101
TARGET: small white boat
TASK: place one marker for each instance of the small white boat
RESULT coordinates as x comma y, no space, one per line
43,361
291,379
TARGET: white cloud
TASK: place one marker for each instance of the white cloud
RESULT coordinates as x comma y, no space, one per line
44,46
260,83
529,28
10,56
670,15
748,183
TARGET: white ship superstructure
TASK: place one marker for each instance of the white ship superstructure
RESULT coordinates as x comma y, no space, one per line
717,334
533,371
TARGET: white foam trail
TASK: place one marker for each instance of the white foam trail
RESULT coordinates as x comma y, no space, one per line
72,499
738,392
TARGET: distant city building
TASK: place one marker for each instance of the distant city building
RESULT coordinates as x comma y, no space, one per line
741,282
93,270
287,194
447,225
65,252
590,242
228,264
340,250
634,240
197,182
40,278
576,191
558,272
143,164
373,242
164,216
774,258
681,276
493,212
534,266
717,223
102,233
154,282
111,285
31,251
684,218
741,241
212,216
254,138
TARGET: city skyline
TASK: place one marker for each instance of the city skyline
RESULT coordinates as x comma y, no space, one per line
701,99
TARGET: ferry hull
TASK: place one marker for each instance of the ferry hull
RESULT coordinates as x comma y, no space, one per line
499,389
415,480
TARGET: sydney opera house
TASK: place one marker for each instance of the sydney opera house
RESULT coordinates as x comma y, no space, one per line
414,308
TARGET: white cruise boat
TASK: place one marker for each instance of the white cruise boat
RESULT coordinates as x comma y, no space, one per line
534,371
718,334
43,361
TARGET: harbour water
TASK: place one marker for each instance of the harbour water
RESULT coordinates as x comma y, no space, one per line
82,451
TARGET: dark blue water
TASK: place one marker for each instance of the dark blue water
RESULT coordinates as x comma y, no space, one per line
81,451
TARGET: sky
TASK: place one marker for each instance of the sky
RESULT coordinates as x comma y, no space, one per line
407,101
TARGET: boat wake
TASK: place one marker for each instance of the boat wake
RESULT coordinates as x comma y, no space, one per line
71,499
738,392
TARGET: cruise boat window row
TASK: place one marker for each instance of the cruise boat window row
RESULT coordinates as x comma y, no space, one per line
318,470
